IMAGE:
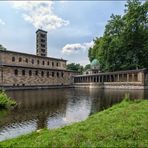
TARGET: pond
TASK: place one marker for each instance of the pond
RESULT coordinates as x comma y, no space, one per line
53,108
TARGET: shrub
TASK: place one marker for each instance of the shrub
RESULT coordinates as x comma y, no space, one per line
5,101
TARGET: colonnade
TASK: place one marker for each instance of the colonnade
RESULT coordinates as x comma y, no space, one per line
108,77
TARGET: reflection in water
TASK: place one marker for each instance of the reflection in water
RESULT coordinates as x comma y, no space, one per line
54,108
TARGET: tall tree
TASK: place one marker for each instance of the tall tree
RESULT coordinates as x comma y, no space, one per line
124,44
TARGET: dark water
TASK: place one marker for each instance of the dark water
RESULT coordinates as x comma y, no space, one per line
53,108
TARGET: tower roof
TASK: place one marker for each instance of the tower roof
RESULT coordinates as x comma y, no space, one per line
41,31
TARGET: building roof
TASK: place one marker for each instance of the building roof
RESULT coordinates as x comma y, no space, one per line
32,55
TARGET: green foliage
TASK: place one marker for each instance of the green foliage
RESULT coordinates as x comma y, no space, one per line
3,113
5,101
123,125
2,48
75,67
88,66
124,44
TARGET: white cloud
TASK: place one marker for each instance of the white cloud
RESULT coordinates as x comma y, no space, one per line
2,22
40,14
76,48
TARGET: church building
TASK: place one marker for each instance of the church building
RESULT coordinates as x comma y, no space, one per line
22,69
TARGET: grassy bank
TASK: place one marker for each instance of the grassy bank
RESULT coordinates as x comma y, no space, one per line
123,125
5,101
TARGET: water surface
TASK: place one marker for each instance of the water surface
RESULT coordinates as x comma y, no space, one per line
53,108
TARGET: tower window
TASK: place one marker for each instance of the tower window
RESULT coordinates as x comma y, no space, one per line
38,61
43,35
42,54
23,72
57,64
16,72
42,45
42,40
20,59
43,62
30,73
43,50
13,59
48,63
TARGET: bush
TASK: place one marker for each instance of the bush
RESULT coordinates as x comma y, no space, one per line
5,101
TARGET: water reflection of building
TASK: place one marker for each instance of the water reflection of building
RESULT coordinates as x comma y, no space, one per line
35,105
55,108
105,98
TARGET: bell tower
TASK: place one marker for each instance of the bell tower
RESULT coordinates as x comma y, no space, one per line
41,43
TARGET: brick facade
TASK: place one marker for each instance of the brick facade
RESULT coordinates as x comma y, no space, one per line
19,69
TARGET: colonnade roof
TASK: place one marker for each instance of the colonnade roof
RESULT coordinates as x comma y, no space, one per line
115,72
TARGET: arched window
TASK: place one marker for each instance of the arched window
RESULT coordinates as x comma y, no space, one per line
20,59
26,60
13,59
38,62
57,74
52,64
52,74
42,73
48,63
57,64
16,72
36,73
62,74
43,62
47,73
23,72
32,61
30,73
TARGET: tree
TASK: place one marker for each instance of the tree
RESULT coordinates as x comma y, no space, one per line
75,67
2,48
87,67
124,44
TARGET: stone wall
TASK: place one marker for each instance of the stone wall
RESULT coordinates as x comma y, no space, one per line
111,85
44,77
20,59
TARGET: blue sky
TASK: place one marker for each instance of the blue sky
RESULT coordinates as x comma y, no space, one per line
71,26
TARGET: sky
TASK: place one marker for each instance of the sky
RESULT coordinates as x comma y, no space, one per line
71,25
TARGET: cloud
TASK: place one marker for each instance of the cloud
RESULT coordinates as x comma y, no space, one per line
40,14
76,48
2,22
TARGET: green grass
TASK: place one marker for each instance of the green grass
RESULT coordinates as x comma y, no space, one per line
5,101
123,125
